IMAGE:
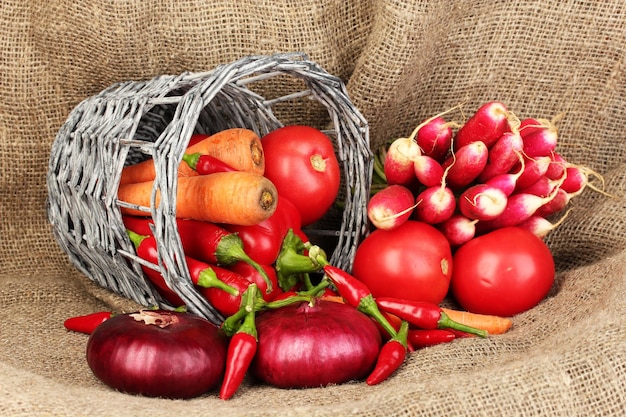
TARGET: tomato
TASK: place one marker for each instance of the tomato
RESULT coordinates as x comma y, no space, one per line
301,162
413,262
504,272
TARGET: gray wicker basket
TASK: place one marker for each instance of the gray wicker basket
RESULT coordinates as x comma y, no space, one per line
134,120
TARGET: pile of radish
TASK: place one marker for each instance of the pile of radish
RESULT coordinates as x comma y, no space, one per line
493,171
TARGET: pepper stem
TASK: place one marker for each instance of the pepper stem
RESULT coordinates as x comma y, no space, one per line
233,323
290,261
230,250
192,159
208,279
445,322
368,306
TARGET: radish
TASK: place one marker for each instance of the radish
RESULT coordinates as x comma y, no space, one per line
428,171
398,165
508,181
503,155
519,207
458,229
435,138
543,187
557,166
557,204
488,124
534,169
390,207
482,202
539,135
465,164
576,179
540,226
435,205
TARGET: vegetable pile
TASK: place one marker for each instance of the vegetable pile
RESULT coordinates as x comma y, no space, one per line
443,205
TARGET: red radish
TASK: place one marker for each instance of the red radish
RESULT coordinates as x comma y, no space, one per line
534,168
556,205
428,171
398,165
435,205
465,164
458,229
508,181
503,155
557,166
540,137
482,202
390,207
540,226
488,124
519,207
576,179
543,187
435,138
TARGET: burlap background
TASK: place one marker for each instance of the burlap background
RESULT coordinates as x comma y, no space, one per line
402,61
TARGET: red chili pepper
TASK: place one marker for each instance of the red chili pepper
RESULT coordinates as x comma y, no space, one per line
224,302
358,295
423,315
391,356
253,276
204,241
206,164
87,323
202,274
242,347
420,338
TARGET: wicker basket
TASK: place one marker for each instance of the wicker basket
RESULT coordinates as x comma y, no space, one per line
134,120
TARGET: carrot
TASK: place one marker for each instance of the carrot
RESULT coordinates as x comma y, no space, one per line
489,323
239,148
235,197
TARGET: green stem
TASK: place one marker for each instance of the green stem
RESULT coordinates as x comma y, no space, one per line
192,159
445,322
135,238
230,250
233,323
288,301
368,306
208,279
290,262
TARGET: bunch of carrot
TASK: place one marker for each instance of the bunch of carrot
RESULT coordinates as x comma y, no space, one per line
492,171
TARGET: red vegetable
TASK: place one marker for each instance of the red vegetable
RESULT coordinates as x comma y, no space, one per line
488,124
412,262
158,354
206,164
420,338
435,138
482,202
423,315
466,164
435,205
390,207
313,345
391,356
398,164
428,170
503,156
241,348
87,323
204,241
307,155
502,273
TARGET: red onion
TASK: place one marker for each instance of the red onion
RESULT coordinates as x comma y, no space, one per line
305,345
158,353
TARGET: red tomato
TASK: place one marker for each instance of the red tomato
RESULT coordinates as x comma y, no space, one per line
502,273
301,162
413,262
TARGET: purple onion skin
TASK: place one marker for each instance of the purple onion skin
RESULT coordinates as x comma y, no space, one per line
182,360
304,346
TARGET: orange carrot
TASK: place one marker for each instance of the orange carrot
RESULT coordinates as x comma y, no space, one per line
237,147
489,323
235,197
